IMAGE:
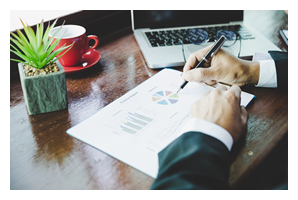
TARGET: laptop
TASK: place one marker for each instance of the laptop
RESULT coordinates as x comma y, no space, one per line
159,34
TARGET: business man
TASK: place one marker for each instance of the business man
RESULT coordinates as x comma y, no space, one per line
200,157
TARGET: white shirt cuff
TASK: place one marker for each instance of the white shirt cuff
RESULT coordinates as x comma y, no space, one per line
268,76
209,128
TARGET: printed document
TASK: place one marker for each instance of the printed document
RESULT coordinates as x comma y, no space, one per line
138,125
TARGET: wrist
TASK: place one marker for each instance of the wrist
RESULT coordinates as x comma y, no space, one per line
255,71
252,69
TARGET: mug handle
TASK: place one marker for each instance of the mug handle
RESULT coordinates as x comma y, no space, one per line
92,37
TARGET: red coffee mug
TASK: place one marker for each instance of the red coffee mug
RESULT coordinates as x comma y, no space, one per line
70,34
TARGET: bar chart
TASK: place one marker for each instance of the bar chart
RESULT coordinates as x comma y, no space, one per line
134,122
130,123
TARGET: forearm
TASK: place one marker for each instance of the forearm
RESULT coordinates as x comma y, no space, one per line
251,69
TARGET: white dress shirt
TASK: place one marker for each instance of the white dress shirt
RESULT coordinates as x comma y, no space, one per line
267,78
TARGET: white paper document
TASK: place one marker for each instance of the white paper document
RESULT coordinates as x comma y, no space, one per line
136,126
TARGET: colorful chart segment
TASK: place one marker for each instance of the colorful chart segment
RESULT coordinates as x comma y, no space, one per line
165,97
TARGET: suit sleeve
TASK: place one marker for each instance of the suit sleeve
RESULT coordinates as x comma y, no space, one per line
193,161
281,65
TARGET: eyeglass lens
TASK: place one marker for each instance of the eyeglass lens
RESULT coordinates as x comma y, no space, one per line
200,36
197,36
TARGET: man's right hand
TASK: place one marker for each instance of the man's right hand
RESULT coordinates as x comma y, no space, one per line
221,106
223,67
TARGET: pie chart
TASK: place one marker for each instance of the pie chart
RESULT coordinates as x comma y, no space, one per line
165,97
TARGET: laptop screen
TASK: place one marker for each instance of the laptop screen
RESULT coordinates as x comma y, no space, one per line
176,18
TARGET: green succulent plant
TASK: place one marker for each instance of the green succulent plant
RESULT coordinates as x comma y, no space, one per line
37,50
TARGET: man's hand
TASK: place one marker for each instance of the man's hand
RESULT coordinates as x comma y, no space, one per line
223,67
222,107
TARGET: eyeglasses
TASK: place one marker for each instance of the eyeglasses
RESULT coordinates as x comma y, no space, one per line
199,36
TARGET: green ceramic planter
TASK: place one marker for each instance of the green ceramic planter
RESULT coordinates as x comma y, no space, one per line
44,93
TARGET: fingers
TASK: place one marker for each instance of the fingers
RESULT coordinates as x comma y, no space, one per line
234,96
236,89
221,88
210,83
190,63
233,93
201,75
218,93
194,57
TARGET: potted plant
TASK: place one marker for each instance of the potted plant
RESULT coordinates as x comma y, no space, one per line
42,76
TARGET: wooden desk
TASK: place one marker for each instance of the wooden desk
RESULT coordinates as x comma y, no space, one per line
43,156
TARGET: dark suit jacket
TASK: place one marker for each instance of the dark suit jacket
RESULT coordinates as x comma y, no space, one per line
198,161
193,161
281,64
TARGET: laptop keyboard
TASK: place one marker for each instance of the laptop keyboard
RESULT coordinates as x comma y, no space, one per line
174,37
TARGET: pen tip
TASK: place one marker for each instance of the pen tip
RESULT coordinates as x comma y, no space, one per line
178,90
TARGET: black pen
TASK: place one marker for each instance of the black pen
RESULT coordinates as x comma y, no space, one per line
209,54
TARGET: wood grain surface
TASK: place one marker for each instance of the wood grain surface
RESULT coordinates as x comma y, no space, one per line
44,156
